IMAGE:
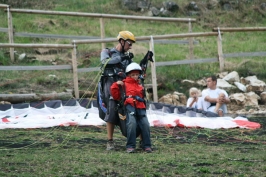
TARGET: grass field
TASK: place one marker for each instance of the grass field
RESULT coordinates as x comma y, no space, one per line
80,151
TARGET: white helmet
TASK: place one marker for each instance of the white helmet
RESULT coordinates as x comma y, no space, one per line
132,67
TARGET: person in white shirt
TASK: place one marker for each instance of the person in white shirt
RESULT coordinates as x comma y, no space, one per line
194,98
213,96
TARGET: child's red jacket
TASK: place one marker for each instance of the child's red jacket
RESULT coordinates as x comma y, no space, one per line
133,88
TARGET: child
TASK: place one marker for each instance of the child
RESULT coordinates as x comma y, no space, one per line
136,117
194,99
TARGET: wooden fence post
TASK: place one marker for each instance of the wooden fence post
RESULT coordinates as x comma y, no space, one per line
220,50
75,70
153,72
102,32
10,33
191,39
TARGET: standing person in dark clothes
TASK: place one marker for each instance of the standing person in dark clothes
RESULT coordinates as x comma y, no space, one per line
115,61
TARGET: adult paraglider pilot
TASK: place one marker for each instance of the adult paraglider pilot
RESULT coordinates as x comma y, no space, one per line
114,62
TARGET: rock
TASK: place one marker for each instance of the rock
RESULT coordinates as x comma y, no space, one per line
263,98
165,13
22,56
251,99
222,75
263,6
245,99
52,76
250,79
238,98
193,13
143,4
240,86
222,84
255,85
170,6
130,4
192,6
188,83
232,77
227,7
212,4
177,99
201,82
155,11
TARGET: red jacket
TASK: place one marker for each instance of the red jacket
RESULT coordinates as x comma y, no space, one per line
133,88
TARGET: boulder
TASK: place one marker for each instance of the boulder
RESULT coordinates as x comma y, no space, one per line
222,75
251,99
232,77
192,6
170,6
240,86
238,98
188,83
176,98
263,98
222,84
130,4
155,11
201,82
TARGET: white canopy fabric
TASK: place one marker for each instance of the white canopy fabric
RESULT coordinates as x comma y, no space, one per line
83,113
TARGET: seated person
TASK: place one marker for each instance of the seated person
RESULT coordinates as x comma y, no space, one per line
213,96
194,99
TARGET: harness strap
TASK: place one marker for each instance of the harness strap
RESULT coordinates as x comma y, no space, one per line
136,98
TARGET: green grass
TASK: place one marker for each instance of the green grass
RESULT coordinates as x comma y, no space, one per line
80,151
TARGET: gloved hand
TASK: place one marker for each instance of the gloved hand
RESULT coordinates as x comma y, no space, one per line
131,55
121,75
127,57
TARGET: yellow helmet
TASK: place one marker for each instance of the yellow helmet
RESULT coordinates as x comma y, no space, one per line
126,35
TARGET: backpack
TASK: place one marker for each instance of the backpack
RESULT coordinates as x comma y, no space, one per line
101,102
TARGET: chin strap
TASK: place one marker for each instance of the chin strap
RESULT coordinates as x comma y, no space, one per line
123,49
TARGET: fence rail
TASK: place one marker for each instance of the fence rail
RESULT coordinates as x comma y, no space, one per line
66,46
242,29
73,37
245,54
98,15
165,63
32,68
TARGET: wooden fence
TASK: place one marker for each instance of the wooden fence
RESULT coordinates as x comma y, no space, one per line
79,42
94,15
217,32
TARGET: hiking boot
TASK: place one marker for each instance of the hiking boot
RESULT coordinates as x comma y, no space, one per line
130,150
110,145
148,150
